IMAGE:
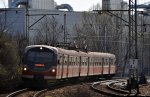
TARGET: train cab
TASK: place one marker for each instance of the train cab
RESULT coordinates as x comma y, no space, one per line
39,63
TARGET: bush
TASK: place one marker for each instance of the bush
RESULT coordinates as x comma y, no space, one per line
8,54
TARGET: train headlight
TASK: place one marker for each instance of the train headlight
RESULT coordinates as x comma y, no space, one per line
25,69
41,48
53,70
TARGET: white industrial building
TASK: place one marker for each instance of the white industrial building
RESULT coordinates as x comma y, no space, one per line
38,4
113,4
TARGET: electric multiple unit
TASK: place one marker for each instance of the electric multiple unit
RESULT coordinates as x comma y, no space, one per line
42,63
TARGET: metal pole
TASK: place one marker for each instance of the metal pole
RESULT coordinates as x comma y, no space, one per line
129,29
26,25
64,29
129,44
142,23
136,49
105,39
28,29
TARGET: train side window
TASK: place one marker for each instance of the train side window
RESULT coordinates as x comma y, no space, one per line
58,61
94,62
71,60
75,60
66,60
100,61
87,61
106,62
97,61
103,63
81,61
91,61
110,61
84,61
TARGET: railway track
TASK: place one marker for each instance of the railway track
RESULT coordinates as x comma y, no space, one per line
107,88
26,93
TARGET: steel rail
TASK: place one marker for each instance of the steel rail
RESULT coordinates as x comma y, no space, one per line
13,94
39,93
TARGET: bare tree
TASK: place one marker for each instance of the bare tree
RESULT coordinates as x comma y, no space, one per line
8,50
48,31
103,33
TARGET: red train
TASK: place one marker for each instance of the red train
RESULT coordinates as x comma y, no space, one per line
49,64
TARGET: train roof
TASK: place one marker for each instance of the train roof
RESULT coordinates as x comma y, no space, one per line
46,46
72,52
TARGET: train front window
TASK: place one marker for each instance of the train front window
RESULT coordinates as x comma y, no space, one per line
40,59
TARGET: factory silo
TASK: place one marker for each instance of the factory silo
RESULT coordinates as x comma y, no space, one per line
34,4
43,4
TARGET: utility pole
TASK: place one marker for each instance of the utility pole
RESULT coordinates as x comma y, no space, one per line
26,23
136,47
64,30
129,35
133,56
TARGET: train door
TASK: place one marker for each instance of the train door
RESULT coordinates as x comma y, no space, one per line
70,66
65,65
102,66
94,66
106,66
109,62
75,67
79,66
59,67
88,63
62,65
97,68
83,66
91,66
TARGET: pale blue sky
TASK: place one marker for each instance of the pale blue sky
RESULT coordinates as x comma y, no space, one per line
78,5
